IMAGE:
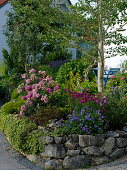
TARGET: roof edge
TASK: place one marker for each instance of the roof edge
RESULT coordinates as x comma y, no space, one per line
3,2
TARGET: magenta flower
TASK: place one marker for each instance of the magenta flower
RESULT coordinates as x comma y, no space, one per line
56,87
29,95
28,88
49,90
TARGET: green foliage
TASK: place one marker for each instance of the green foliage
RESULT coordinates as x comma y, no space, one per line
44,114
8,83
124,66
12,107
85,120
22,133
70,69
33,40
92,85
116,107
60,99
33,145
13,61
3,70
14,94
119,80
46,68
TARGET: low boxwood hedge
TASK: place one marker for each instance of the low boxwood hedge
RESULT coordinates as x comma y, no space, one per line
22,133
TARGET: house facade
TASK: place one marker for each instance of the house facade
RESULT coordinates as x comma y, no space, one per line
5,7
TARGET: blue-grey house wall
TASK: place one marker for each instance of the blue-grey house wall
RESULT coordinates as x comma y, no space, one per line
3,15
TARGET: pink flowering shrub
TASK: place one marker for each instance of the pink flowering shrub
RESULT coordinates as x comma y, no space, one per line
35,90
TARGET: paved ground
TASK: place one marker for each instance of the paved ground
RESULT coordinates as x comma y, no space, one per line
12,160
119,164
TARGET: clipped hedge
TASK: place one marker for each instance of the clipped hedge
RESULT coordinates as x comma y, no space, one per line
22,133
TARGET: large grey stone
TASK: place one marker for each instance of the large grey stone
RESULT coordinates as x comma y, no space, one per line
112,134
75,137
99,160
36,159
117,153
59,140
53,164
73,152
121,142
100,139
78,161
54,151
87,140
108,145
122,133
125,128
93,150
32,158
48,139
70,144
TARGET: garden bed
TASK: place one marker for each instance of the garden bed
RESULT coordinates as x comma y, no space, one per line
73,127
49,150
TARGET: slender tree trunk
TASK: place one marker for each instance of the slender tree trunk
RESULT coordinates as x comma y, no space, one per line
100,49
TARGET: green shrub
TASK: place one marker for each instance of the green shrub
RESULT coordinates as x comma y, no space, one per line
75,66
12,107
116,108
33,145
3,70
60,99
89,85
22,133
44,114
46,68
119,80
14,94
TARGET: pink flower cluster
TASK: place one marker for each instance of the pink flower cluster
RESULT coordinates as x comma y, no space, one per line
37,87
86,97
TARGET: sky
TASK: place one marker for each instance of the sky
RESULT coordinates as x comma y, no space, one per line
113,61
73,1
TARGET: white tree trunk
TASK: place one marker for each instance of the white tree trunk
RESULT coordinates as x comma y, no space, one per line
100,49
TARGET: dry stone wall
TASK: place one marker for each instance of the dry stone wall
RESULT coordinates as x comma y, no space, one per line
79,151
